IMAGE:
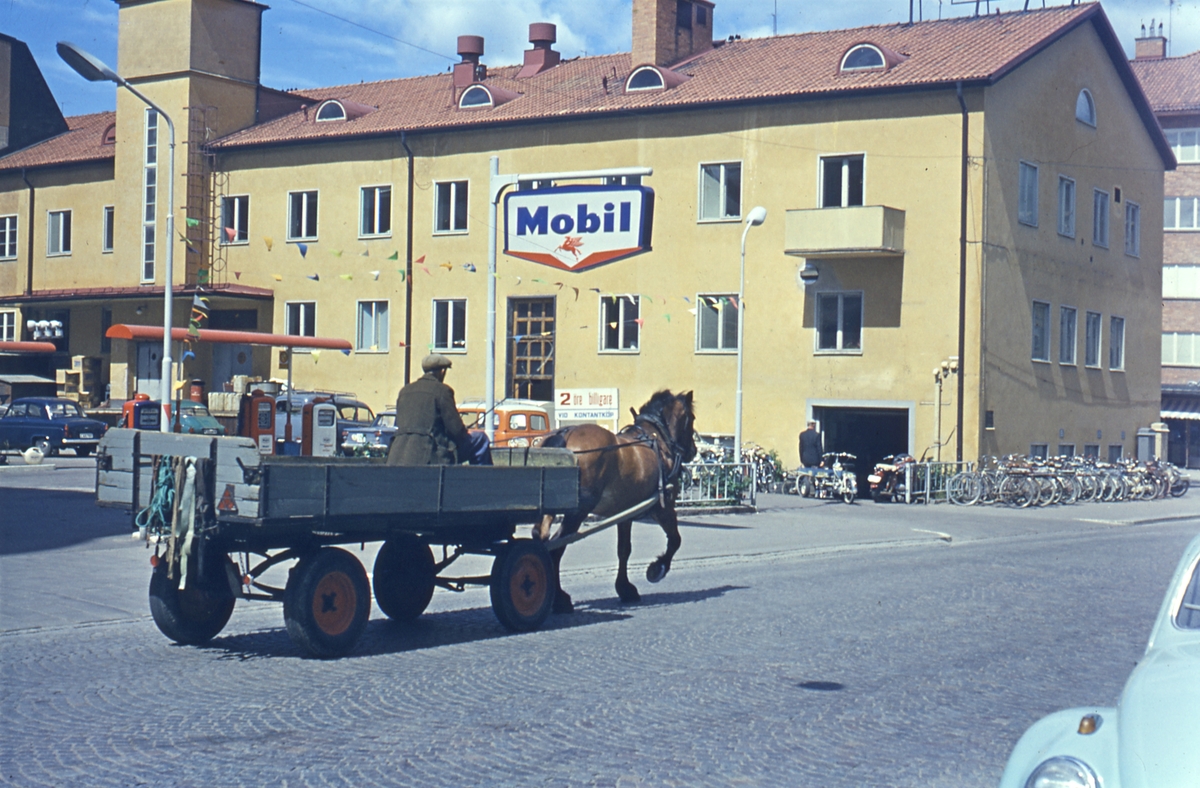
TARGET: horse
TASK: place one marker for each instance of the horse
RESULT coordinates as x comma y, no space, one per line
617,472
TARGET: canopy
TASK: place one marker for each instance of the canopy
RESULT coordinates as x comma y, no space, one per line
126,331
1187,408
32,347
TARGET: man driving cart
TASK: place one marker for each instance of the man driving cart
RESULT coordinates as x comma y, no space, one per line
429,429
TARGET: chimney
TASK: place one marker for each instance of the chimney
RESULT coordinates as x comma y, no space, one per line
1150,47
470,70
541,58
668,31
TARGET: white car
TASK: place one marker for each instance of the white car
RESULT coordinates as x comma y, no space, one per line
1152,738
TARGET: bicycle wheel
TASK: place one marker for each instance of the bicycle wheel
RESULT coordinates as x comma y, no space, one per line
964,489
1018,491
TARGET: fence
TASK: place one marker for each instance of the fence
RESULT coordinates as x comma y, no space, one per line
717,484
925,482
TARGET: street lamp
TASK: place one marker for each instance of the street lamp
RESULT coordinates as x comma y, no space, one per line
940,373
756,217
93,69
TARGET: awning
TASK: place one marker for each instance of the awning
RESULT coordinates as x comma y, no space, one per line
1186,408
126,331
31,347
11,379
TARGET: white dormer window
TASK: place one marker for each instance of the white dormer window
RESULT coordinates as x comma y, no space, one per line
1085,108
475,96
331,110
863,57
645,78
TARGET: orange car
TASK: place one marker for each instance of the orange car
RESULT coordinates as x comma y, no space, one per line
516,421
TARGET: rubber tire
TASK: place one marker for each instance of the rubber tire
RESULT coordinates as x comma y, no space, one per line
327,578
403,578
523,585
199,612
879,497
1180,488
83,451
44,446
805,487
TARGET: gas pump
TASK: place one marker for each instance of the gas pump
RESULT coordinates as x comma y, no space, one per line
319,430
257,420
141,413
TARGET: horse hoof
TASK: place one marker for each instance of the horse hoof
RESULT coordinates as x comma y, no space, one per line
563,604
656,571
629,594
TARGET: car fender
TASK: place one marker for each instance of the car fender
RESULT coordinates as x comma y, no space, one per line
1058,735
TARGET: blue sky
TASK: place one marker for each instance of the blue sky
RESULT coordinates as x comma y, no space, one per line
304,48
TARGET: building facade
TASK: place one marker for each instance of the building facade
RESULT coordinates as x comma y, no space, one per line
983,192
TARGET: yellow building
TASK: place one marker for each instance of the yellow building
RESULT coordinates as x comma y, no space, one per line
984,192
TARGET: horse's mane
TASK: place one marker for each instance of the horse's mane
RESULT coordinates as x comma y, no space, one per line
657,403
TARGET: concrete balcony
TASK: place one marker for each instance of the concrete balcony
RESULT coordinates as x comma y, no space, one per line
860,231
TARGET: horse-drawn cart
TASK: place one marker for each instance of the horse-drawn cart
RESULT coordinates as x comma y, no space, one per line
219,515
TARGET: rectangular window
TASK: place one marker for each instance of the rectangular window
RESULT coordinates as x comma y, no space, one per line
8,326
8,237
1116,343
1100,218
1066,450
376,211
839,321
619,322
1179,349
1027,194
841,181
59,233
720,191
1041,331
235,219
1185,143
1066,335
450,213
150,197
302,216
1115,452
1179,213
1038,451
716,322
1133,229
450,325
1091,450
1181,281
1066,206
372,327
1091,354
106,239
301,318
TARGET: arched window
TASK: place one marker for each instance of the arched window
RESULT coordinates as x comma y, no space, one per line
475,96
862,58
1085,108
331,110
645,78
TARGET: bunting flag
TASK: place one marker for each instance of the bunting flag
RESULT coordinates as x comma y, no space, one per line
237,274
402,273
202,276
576,289
347,277
420,259
518,279
594,289
315,277
269,241
345,351
365,253
394,255
469,266
649,300
692,310
668,317
277,277
231,234
303,249
560,285
316,355
199,314
192,222
402,343
188,355
685,298
336,252
447,266
641,321
426,270
374,274
542,281
612,324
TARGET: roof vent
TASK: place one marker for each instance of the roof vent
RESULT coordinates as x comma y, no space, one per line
470,49
541,58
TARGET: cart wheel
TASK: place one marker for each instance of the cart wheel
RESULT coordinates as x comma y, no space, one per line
198,612
403,577
327,602
522,585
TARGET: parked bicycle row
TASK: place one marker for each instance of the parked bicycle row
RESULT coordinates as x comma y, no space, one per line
1023,481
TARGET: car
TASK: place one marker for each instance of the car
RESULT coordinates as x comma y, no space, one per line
50,424
195,419
351,413
516,421
373,440
1149,739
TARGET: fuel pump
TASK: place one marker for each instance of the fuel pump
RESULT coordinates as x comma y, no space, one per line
319,430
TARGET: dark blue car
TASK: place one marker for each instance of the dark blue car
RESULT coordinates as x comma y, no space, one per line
50,424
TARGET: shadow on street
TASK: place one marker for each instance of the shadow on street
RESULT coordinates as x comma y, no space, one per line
34,520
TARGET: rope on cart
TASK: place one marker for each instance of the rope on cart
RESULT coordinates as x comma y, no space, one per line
155,519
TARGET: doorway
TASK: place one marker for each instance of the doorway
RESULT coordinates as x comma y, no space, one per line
531,334
149,368
870,434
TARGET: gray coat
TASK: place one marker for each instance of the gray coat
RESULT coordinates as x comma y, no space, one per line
428,427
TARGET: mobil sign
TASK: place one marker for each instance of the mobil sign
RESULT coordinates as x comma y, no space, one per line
577,227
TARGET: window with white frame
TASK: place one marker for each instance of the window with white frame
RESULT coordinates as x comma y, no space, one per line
8,237
1180,213
450,325
1115,452
620,323
108,230
376,211
58,232
1027,194
1038,450
720,191
150,197
450,207
1066,206
839,321
1066,450
1180,349
1091,450
841,181
1100,218
1067,319
1185,143
716,322
8,325
1133,229
1091,352
1041,331
235,219
372,331
1116,343
1181,281
302,216
301,318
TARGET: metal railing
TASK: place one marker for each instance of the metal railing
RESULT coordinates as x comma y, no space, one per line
925,482
717,484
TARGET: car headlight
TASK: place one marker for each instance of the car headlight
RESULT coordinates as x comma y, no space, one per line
1062,771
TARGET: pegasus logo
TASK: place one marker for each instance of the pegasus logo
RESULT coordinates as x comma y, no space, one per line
571,246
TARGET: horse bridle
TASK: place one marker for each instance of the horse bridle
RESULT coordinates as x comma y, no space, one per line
673,448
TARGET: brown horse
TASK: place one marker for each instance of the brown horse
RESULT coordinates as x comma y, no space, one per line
617,472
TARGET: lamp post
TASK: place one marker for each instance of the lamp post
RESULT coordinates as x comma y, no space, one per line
940,373
93,69
756,217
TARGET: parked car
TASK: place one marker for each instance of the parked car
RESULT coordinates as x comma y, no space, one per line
373,440
1149,739
351,413
516,421
195,419
50,424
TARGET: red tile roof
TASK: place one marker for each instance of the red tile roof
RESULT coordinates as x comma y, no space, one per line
136,291
83,143
1172,84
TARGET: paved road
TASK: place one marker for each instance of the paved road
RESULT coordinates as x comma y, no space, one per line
812,644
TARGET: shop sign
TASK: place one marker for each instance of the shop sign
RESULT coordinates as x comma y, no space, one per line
579,406
578,227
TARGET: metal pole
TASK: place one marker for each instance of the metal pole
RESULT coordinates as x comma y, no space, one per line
937,418
741,305
489,390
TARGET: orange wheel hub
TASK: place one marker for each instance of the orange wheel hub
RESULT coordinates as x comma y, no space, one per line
334,603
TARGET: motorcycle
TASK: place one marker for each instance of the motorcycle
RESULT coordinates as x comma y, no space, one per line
887,477
834,479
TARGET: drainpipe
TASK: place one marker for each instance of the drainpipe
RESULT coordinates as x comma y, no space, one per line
29,262
962,276
408,266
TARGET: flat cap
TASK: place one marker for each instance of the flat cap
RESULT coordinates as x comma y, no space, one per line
434,361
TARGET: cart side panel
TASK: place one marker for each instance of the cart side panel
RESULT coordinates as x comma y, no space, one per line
294,490
382,489
561,489
468,488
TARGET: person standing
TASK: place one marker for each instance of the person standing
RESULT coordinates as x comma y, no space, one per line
811,446
429,429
